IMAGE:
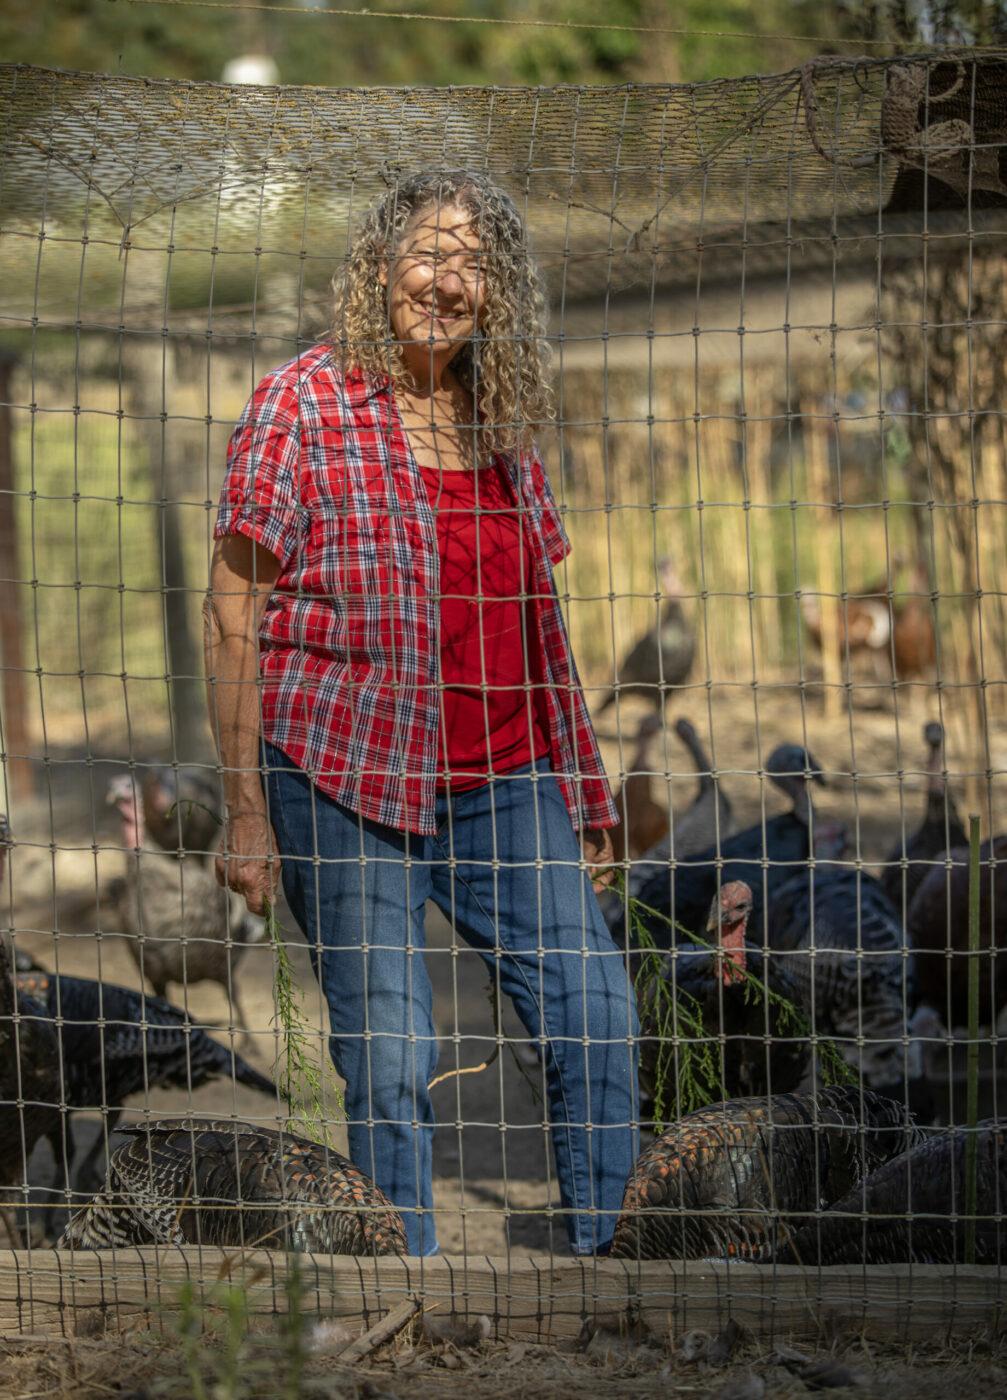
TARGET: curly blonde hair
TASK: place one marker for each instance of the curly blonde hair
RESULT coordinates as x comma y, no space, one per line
506,364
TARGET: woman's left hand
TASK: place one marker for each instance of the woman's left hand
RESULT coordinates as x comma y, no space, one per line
597,847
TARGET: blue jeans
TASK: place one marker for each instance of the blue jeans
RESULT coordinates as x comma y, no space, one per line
503,866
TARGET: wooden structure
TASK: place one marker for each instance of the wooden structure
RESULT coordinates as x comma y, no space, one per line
47,1292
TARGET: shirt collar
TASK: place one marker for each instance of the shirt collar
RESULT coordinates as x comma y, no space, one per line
360,386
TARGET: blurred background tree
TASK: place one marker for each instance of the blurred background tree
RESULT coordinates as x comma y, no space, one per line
925,21
178,41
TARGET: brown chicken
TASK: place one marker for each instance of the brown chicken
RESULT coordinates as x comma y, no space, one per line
896,632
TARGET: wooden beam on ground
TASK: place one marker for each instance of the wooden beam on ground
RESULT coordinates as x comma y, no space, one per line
543,1298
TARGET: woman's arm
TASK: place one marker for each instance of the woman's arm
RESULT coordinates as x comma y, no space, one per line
242,577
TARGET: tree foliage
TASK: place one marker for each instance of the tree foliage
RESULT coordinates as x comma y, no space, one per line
915,22
174,41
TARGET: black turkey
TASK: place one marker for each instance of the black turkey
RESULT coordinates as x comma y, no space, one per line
710,817
180,925
682,895
929,1182
210,1181
707,820
938,925
662,658
762,1047
182,809
833,928
939,830
718,1182
116,1042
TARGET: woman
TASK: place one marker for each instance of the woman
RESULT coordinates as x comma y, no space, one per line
383,615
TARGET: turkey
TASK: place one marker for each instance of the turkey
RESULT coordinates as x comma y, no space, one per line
714,984
929,1181
663,656
214,1182
682,895
644,820
839,936
938,920
179,924
718,1181
940,829
116,1042
708,819
182,809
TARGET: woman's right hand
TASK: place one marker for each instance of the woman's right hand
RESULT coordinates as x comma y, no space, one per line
248,862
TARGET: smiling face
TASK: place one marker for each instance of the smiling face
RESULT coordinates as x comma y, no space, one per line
434,287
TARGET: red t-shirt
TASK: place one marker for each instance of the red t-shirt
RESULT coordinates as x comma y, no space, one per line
490,666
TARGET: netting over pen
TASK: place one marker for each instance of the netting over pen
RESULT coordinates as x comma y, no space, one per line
204,185
777,321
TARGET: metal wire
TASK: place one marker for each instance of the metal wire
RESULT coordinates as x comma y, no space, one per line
777,329
516,23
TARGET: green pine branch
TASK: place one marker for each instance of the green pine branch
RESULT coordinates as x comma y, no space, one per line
302,1081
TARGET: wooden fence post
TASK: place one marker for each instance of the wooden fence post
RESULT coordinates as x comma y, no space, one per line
14,718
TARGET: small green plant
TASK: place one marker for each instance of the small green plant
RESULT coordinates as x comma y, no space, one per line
292,1331
189,803
221,1314
688,1065
301,1079
221,1357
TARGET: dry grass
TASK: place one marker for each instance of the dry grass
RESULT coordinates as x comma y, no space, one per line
755,489
602,1366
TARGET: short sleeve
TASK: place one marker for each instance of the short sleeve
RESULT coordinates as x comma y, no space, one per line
554,536
262,491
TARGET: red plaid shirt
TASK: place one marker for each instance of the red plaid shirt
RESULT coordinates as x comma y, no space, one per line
320,473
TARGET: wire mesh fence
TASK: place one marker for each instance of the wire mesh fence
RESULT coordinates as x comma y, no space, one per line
776,323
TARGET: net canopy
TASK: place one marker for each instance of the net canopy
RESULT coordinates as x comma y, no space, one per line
215,192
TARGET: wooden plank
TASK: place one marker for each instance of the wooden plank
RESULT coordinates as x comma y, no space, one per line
818,471
49,1292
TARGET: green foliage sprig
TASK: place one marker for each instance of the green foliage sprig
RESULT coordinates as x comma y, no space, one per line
222,1358
302,1081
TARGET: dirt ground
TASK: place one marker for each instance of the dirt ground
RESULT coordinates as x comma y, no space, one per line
601,1365
493,1175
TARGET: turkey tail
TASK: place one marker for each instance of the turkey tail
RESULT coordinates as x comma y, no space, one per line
245,1074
